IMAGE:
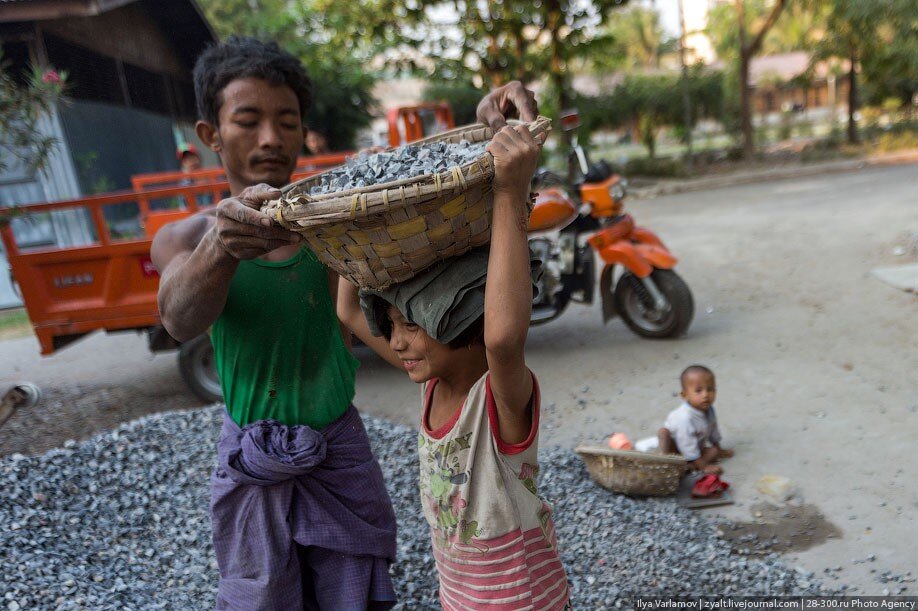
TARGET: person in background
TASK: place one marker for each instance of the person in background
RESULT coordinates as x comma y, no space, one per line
189,158
316,142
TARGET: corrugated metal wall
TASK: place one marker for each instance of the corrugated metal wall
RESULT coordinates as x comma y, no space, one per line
58,180
110,143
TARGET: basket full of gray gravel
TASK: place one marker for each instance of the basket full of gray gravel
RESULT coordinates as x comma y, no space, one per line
120,521
380,219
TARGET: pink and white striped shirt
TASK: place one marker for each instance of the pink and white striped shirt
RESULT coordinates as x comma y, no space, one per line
493,537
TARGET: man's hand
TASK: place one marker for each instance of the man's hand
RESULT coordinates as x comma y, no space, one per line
512,101
244,231
713,470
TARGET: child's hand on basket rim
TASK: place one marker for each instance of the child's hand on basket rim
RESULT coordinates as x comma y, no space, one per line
516,156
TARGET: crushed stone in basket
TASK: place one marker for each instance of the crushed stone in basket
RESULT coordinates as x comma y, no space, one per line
365,170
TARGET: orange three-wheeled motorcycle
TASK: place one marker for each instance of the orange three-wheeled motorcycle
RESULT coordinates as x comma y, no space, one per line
580,215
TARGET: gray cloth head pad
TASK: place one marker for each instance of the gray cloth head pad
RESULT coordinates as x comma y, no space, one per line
443,300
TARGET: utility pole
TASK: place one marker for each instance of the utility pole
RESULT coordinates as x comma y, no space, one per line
686,98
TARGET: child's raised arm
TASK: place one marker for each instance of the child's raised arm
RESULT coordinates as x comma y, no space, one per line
351,316
508,289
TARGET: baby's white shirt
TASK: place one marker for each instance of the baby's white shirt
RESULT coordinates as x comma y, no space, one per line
692,430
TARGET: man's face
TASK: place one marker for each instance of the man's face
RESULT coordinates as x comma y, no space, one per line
260,132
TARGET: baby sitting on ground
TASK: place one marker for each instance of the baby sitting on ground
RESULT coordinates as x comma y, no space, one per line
691,429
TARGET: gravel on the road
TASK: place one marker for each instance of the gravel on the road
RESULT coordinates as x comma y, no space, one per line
120,521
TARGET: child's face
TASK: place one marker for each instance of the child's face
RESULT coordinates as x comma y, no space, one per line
699,390
423,357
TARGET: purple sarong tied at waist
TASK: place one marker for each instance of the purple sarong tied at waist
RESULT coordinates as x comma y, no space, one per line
284,496
267,452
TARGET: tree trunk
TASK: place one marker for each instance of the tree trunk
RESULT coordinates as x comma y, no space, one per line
746,108
557,65
747,52
853,136
686,97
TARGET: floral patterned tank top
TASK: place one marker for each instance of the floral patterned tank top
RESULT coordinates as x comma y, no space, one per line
493,536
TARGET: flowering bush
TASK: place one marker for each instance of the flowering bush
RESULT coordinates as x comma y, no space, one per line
51,77
21,107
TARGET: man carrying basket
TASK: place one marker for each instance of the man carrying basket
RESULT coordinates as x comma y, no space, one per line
301,518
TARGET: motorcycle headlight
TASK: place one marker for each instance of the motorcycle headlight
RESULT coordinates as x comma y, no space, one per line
617,192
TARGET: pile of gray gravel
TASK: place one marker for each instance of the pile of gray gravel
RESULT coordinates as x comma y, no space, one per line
365,170
121,522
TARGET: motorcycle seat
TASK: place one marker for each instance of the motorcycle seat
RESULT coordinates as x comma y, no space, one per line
599,171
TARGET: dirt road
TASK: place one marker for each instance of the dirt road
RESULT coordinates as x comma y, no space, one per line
816,364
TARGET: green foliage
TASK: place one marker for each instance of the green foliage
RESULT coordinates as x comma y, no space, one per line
636,40
517,39
896,141
490,43
14,323
881,34
342,100
22,106
479,44
463,98
651,102
663,167
799,26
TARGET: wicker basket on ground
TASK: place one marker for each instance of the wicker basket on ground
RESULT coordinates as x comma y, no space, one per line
387,233
631,472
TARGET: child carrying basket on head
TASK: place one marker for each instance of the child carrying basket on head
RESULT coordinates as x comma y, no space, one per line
463,339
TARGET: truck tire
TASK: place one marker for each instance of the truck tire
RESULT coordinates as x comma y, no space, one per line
196,364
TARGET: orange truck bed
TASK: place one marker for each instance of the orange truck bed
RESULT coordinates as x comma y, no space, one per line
110,284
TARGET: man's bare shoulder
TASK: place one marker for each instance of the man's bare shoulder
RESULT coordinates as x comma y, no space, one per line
190,231
181,236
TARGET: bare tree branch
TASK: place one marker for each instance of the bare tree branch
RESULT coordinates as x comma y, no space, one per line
753,48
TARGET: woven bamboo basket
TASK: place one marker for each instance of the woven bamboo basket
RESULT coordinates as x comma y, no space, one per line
631,472
384,234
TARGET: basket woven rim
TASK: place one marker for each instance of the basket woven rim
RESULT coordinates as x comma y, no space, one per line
597,450
540,124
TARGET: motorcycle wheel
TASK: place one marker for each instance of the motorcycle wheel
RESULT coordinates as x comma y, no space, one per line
636,307
196,364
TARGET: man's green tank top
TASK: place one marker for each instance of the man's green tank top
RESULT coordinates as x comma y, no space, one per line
278,347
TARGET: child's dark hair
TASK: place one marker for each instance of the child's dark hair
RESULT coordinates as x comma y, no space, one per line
472,335
693,369
241,57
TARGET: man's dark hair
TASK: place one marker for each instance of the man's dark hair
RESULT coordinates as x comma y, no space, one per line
470,336
694,369
242,57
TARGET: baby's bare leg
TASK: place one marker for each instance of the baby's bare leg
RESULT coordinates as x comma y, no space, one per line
666,443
